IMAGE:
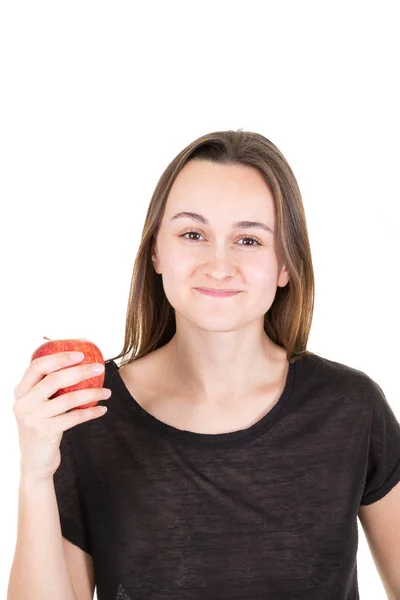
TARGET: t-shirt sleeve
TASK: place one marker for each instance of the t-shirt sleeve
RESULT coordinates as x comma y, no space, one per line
69,496
383,471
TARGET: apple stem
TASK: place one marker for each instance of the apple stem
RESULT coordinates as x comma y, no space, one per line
46,338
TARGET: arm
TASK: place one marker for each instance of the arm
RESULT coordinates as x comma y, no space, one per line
39,568
381,524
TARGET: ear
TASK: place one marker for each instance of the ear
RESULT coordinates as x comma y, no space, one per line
154,257
284,278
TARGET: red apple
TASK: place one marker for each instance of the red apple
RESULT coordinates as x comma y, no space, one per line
92,354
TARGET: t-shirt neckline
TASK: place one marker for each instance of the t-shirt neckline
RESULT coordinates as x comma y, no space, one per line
135,411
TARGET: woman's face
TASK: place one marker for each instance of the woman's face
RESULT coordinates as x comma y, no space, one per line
219,254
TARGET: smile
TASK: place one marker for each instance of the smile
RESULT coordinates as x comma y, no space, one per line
216,293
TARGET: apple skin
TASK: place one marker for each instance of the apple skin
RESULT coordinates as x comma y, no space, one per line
92,354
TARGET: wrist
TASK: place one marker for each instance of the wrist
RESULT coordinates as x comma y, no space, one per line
28,481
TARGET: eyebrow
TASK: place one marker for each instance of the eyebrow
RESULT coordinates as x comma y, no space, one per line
239,225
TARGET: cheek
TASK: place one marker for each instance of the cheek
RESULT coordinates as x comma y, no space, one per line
262,273
176,276
261,281
171,257
179,267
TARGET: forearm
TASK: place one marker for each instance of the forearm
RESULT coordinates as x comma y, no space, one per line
39,569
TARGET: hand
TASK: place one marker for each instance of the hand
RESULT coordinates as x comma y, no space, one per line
41,422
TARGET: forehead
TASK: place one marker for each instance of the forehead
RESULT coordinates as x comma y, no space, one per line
212,188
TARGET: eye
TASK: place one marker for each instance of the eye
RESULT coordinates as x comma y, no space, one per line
253,238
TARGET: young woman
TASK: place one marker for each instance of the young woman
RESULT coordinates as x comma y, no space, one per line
232,462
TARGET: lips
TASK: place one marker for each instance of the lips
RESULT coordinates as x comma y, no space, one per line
207,289
218,293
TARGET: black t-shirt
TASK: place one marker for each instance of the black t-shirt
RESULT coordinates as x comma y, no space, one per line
265,513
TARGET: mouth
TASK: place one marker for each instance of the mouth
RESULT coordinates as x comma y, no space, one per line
218,293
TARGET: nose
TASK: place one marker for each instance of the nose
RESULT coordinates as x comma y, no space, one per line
219,264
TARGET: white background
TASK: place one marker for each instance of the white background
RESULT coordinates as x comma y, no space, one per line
98,97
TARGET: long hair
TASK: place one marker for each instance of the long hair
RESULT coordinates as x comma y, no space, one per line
150,318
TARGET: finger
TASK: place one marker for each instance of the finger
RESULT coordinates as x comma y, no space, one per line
75,417
42,366
72,400
43,391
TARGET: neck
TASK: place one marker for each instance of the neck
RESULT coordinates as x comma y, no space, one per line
218,368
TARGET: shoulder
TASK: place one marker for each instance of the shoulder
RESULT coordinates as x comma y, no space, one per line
346,380
335,370
145,365
141,375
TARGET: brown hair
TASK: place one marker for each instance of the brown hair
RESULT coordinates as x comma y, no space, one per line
150,319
